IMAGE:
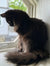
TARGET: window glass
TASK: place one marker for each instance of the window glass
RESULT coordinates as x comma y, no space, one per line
4,3
7,32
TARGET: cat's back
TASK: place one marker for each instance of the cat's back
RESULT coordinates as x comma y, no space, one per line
36,21
38,30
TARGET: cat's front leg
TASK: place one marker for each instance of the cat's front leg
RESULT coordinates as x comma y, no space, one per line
20,45
26,46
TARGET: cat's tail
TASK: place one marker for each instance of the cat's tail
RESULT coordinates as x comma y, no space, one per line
26,58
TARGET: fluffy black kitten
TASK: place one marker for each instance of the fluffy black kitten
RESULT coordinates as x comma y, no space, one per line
33,36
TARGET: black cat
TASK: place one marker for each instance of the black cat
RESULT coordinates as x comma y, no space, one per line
33,36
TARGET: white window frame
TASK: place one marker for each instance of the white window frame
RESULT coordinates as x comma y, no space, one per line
31,4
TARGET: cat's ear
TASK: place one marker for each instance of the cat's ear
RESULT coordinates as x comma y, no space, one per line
3,15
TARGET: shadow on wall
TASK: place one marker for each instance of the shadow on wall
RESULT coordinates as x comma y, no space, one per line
48,26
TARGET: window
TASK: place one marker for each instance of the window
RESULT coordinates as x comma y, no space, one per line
17,4
7,34
0,20
31,4
3,3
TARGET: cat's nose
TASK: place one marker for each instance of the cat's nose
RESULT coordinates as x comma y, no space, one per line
3,15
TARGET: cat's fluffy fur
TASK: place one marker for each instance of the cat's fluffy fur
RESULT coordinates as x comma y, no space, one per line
32,36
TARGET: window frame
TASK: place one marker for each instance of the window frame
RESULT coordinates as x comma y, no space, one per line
31,4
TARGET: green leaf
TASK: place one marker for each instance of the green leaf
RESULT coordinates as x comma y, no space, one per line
17,5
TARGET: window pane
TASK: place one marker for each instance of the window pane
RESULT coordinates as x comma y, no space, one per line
6,30
3,24
3,3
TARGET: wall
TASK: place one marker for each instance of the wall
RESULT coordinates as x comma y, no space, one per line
43,12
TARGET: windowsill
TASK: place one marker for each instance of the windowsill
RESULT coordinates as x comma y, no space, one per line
7,45
7,49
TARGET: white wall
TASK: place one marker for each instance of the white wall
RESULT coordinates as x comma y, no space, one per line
43,12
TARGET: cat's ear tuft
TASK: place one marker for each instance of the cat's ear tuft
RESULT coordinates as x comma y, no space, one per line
3,15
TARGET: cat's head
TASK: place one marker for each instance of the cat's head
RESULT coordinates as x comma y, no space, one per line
14,17
8,16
